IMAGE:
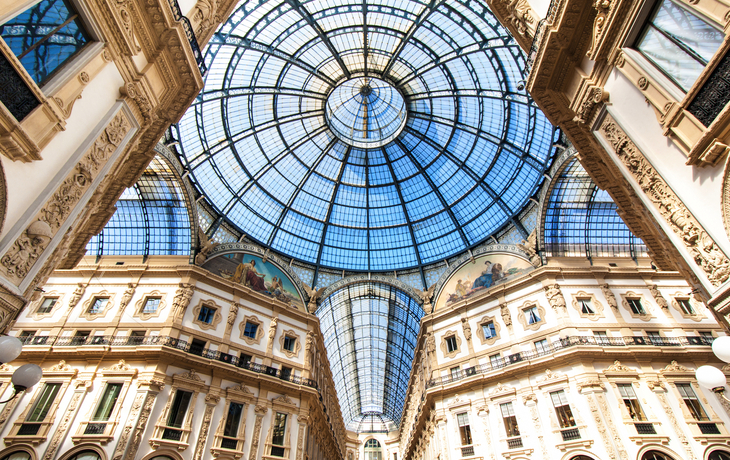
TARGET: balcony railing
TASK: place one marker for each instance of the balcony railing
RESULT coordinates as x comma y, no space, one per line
571,434
569,342
467,451
95,428
228,443
708,428
645,428
179,16
29,429
514,443
172,434
169,342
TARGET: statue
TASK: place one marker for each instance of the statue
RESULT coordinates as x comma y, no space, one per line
182,299
313,294
206,246
466,327
555,297
126,297
660,300
76,296
506,317
530,247
610,298
425,297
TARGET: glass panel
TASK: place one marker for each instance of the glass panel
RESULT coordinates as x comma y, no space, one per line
107,402
179,409
44,402
47,304
279,428
151,305
233,420
44,37
250,330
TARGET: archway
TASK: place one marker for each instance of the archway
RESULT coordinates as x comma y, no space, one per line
373,450
656,455
719,455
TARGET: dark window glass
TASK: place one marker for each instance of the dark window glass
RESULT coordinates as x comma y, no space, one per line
532,315
233,420
47,305
277,438
107,402
44,402
719,455
98,304
655,455
44,36
206,314
678,42
586,307
289,343
686,306
692,402
17,455
636,307
510,420
179,408
562,409
250,330
464,428
631,401
451,344
197,346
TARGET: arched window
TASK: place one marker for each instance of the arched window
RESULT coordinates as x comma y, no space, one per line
20,455
372,450
655,455
678,42
581,457
45,36
85,455
719,455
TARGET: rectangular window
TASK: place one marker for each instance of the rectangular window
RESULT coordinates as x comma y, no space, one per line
601,337
250,330
233,420
455,372
636,307
686,306
489,330
47,305
495,360
678,42
706,335
179,408
244,359
285,373
80,337
692,402
206,314
107,402
541,346
277,438
562,409
586,307
510,420
631,401
150,305
464,429
98,305
197,347
44,36
44,402
531,315
289,343
451,345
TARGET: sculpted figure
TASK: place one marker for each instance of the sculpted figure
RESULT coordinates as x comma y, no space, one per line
126,297
610,298
76,296
660,300
506,317
555,297
182,299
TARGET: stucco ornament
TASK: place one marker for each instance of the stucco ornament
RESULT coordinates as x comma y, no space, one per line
556,299
314,295
658,297
182,299
530,247
610,298
506,317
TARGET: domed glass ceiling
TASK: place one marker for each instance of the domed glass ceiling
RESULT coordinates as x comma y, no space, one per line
300,140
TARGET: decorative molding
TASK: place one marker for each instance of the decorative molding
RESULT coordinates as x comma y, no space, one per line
35,315
523,320
480,330
444,346
141,426
675,368
217,317
551,377
190,376
705,252
283,399
259,330
60,367
595,304
297,343
696,306
85,313
211,402
181,300
502,390
18,261
127,431
139,306
620,369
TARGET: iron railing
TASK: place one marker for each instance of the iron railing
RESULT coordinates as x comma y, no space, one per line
514,443
29,429
190,34
95,428
708,428
169,342
172,434
228,443
568,342
645,428
467,451
571,434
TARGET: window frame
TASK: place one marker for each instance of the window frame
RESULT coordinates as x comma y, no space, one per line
291,335
89,303
215,318
446,347
511,426
259,330
464,426
563,412
486,320
140,305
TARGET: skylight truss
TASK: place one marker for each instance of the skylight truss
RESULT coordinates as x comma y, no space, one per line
151,218
259,147
370,331
581,220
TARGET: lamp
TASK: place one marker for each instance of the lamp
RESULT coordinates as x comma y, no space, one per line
24,377
711,377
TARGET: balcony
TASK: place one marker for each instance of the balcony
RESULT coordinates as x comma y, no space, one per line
569,342
708,428
645,428
571,434
514,443
59,343
467,451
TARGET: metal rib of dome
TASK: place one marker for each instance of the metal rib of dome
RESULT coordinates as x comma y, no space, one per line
472,150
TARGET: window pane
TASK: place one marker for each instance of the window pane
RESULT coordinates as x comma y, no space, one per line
279,429
688,29
107,402
178,409
44,402
233,420
33,25
679,65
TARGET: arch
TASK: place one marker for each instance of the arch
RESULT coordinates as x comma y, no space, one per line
580,220
372,450
152,217
717,453
9,452
579,454
163,454
85,452
654,452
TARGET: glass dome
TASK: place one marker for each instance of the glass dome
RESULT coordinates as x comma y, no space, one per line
439,150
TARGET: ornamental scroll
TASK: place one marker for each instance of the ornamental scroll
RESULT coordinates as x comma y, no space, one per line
705,252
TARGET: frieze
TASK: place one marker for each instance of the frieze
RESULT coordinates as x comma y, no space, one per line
705,252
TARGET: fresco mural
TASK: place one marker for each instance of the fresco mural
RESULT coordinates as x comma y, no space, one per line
251,271
486,271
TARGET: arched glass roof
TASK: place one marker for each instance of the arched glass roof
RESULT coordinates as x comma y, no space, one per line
268,156
581,220
370,332
151,218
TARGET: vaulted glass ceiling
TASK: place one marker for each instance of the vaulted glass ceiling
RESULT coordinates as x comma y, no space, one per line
288,147
370,331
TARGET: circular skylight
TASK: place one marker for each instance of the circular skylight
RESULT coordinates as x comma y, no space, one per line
278,143
366,112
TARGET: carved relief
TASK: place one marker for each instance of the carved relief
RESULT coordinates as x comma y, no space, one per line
210,403
28,247
143,314
259,330
673,421
217,317
60,433
586,109
127,431
272,334
601,398
76,296
466,328
556,299
520,15
706,254
255,438
480,330
675,367
506,316
604,11
592,304
658,297
608,294
141,425
294,352
618,368
127,296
